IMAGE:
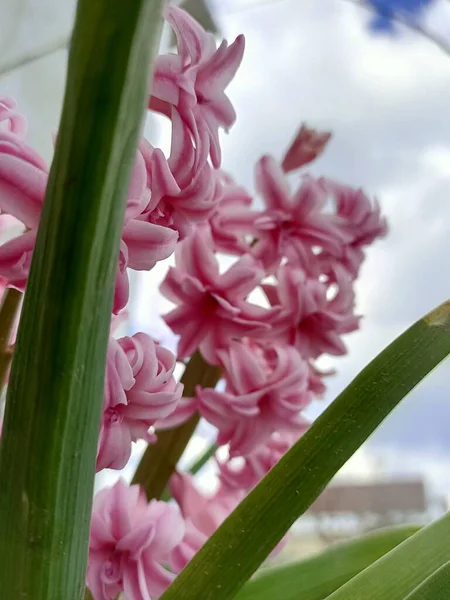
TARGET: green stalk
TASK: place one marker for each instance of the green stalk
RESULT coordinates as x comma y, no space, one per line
49,442
160,459
201,462
248,535
8,313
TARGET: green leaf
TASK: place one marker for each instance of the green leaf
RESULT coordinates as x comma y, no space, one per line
160,459
435,587
50,434
400,571
249,534
316,577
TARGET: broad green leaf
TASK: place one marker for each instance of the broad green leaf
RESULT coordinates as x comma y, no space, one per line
397,573
249,534
50,434
160,459
435,587
316,577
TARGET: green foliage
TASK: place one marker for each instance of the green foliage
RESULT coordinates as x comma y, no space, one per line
50,434
435,587
400,571
249,534
316,577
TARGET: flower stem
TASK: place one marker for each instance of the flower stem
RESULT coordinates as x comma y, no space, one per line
201,462
160,459
8,314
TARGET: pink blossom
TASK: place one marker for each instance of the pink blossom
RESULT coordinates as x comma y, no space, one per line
233,220
205,513
293,225
306,147
191,543
315,379
361,220
131,544
312,318
10,119
266,391
243,473
194,82
187,193
23,182
140,389
212,307
147,243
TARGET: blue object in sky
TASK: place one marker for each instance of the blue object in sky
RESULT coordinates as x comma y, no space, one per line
387,9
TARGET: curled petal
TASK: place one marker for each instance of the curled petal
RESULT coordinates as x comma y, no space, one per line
148,243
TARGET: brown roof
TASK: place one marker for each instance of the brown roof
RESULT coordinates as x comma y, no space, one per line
377,498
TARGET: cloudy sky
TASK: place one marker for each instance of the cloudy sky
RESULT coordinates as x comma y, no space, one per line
386,100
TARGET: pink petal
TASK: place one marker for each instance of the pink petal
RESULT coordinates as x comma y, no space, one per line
148,243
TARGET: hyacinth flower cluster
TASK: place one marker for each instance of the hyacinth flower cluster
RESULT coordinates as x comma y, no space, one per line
298,256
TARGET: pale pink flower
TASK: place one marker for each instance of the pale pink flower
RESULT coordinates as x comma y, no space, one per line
187,193
147,243
23,182
243,473
11,119
361,221
232,223
293,224
315,379
212,307
266,391
140,389
131,543
191,543
306,147
312,318
194,81
205,513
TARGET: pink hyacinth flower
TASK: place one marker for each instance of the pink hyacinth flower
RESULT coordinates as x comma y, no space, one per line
361,220
187,193
233,220
11,119
191,543
293,224
311,319
244,473
306,147
194,81
212,307
140,389
131,543
23,182
266,391
205,513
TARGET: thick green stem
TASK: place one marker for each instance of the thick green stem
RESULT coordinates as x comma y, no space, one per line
160,459
50,433
8,314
